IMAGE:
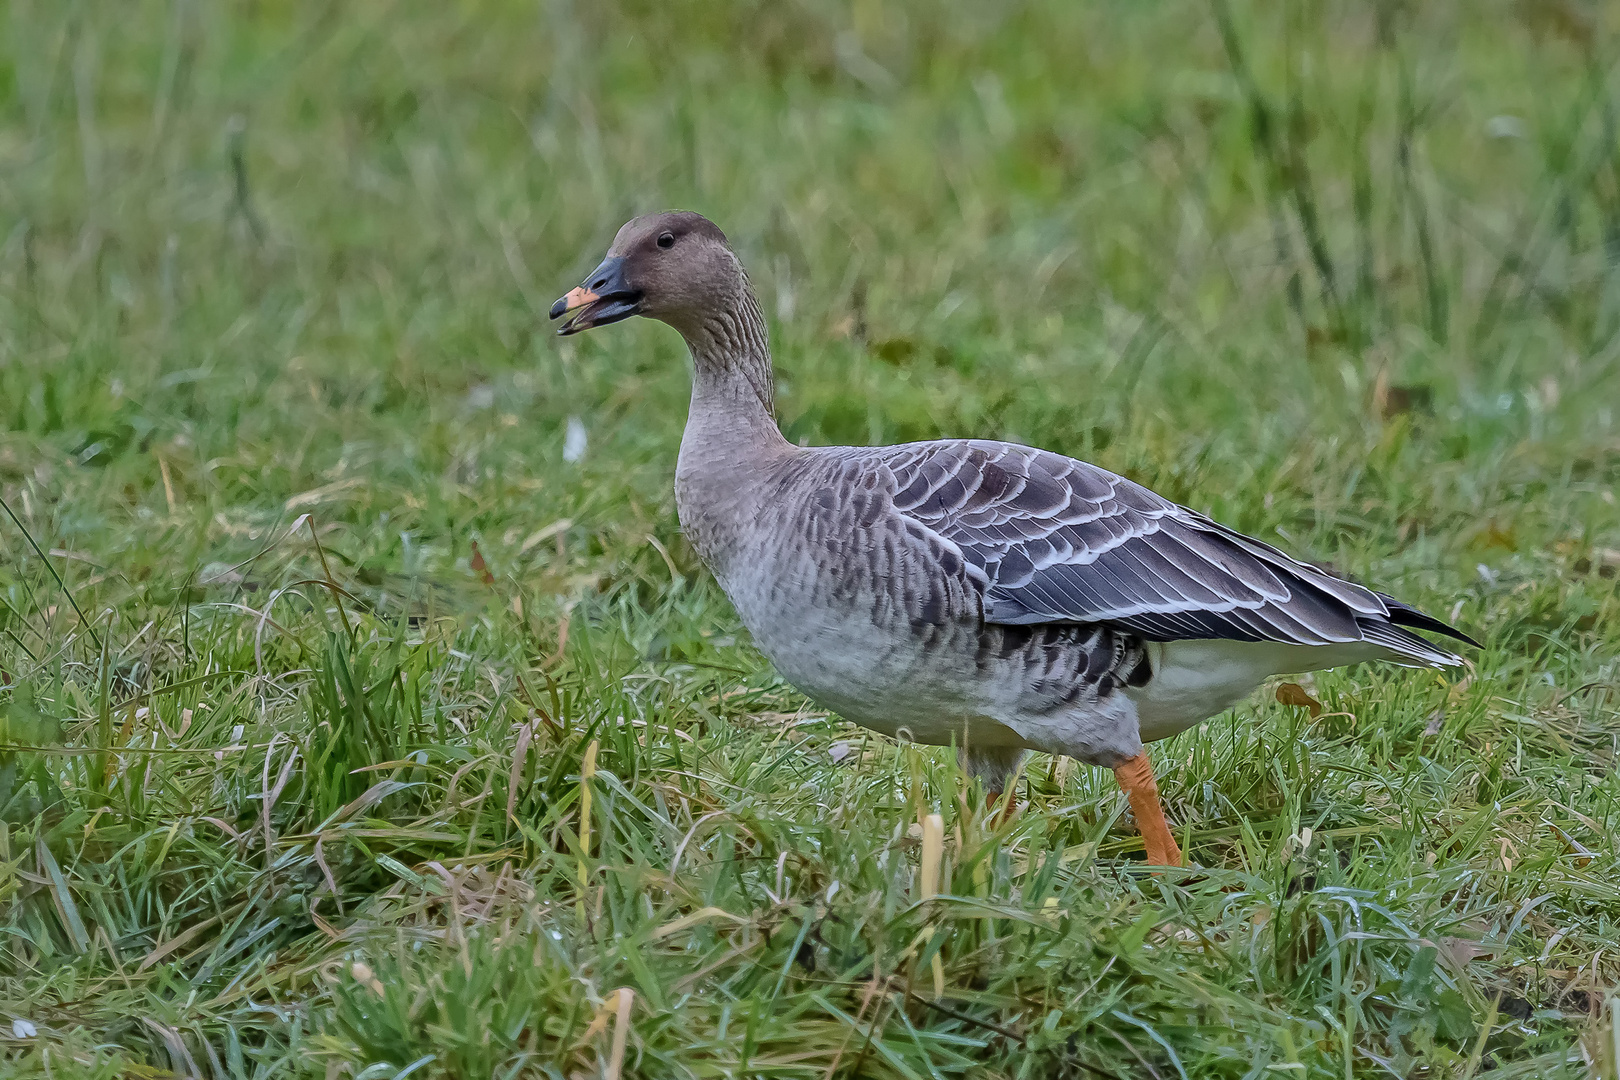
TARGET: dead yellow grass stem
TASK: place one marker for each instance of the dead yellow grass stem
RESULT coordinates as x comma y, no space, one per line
587,771
621,1029
933,852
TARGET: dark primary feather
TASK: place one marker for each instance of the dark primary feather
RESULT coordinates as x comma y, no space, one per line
1051,539
1407,615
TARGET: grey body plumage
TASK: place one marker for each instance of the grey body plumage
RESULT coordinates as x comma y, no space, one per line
997,596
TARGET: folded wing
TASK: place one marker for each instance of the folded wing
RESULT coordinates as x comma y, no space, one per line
1052,539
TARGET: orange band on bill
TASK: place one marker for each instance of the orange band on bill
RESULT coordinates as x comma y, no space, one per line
578,297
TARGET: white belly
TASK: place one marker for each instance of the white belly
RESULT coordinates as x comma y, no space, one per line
883,682
1194,680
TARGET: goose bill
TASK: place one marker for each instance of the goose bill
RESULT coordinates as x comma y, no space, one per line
592,310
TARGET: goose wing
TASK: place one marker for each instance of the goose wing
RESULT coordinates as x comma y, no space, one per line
1051,539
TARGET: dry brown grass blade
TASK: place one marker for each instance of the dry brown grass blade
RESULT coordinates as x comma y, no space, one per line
179,941
514,779
621,1033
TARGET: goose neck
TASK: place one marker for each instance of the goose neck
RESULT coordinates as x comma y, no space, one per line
733,389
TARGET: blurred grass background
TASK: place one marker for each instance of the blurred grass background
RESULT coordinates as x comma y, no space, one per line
324,566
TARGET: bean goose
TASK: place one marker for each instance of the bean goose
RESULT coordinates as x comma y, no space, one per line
997,596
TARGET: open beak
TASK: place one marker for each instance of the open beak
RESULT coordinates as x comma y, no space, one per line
604,298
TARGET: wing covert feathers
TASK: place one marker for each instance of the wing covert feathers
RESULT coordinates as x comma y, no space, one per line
1057,540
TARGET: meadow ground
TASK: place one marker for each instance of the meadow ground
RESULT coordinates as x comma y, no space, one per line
365,713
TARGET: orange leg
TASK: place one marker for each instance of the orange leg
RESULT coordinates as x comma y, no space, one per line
1007,812
1136,781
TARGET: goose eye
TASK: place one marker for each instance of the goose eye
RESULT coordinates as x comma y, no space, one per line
666,240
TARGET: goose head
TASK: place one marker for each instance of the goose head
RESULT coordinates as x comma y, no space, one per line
675,267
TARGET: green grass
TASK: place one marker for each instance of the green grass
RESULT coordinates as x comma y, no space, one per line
290,787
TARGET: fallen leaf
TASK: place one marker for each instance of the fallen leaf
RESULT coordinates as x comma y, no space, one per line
1289,693
1393,400
1604,561
480,567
